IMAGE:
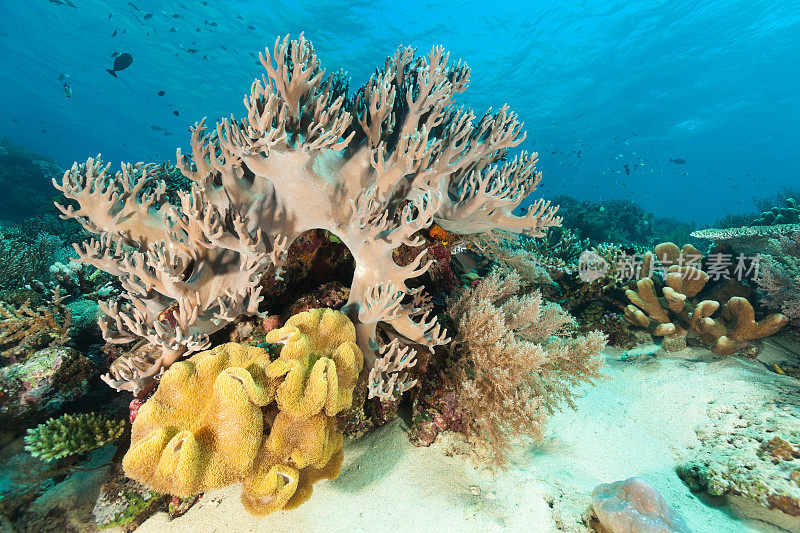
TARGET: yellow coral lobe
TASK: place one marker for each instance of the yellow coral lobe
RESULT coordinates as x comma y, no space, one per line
349,362
310,475
319,361
271,492
320,331
306,442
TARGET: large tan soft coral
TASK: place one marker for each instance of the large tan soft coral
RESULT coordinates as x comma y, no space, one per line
212,421
373,168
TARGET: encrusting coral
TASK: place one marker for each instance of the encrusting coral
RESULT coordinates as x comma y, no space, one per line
72,434
373,168
212,421
677,312
519,360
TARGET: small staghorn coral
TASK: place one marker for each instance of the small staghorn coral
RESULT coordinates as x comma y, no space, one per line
519,360
230,415
373,168
727,328
72,434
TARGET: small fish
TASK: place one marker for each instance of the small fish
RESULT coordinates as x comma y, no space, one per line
157,128
176,113
121,62
251,27
64,79
459,248
115,33
172,29
627,170
161,93
115,54
148,16
778,369
191,50
678,161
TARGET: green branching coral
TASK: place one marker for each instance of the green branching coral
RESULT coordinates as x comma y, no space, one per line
72,434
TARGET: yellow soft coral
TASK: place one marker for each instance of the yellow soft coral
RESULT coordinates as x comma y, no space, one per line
319,361
204,426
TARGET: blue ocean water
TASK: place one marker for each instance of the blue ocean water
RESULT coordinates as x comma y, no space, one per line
610,91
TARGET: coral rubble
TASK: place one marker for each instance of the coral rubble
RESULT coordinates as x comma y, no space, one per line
750,451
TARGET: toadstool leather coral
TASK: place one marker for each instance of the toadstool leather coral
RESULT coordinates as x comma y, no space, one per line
212,421
202,428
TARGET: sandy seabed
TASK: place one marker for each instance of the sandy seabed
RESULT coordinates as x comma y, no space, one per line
639,422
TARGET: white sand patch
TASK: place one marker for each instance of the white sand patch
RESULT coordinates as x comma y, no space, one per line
638,422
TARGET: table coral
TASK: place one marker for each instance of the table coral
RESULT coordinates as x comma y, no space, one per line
373,168
230,415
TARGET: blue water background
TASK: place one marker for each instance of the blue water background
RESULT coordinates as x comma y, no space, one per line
714,83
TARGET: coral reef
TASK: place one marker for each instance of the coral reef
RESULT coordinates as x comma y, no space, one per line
23,330
780,215
607,220
26,256
519,359
751,451
779,279
372,169
123,502
24,178
634,506
43,383
72,434
204,427
725,326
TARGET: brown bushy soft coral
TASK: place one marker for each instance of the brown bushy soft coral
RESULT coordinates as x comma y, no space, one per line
519,359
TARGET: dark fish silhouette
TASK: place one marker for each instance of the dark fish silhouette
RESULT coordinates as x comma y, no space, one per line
161,93
121,62
176,113
678,161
